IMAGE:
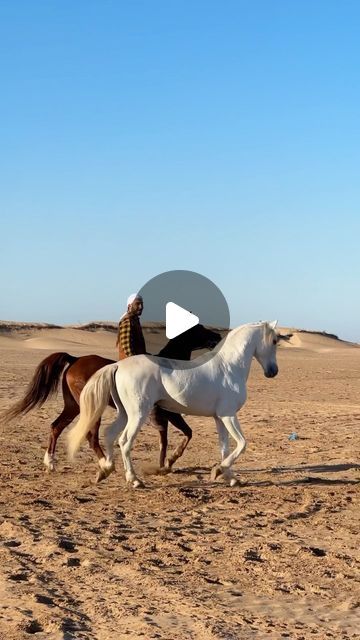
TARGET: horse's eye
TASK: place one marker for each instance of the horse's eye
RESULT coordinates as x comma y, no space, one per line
274,341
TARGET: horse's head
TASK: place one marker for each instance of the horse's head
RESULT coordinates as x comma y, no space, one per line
199,337
265,352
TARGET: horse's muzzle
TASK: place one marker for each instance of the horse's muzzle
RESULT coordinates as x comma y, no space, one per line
272,371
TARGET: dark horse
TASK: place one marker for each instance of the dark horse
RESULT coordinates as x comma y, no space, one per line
46,380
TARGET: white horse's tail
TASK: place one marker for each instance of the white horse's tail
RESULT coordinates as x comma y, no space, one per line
94,399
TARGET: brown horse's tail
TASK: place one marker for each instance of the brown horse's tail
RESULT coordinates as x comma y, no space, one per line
44,383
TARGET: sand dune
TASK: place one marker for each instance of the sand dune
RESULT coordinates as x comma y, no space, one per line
102,336
60,339
315,341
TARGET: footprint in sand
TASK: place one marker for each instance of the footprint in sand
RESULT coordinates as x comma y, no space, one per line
19,577
12,543
33,627
39,597
73,562
67,544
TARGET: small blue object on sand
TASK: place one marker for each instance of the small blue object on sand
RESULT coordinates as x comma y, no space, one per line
293,436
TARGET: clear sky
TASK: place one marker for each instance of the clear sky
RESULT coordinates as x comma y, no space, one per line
142,136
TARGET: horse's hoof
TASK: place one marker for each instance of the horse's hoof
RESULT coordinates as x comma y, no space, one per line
234,482
215,472
105,472
163,471
138,484
101,476
49,462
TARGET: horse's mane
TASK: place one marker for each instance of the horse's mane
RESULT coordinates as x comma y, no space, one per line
268,333
268,330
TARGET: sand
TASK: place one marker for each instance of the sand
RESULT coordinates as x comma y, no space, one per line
185,558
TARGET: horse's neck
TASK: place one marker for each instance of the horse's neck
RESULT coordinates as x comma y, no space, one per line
176,350
239,349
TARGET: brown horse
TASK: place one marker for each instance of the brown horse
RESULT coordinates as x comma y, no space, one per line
78,370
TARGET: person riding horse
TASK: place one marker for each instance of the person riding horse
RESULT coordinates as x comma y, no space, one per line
130,340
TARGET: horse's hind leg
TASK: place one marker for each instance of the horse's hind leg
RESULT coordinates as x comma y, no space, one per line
106,463
178,421
93,440
57,427
69,412
136,419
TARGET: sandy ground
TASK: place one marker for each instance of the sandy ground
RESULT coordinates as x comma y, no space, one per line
275,557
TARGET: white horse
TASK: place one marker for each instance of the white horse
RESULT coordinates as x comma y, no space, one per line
216,387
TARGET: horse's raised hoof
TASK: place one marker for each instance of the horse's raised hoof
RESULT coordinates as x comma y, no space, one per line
215,472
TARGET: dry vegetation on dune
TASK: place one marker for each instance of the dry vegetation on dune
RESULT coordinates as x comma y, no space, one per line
276,557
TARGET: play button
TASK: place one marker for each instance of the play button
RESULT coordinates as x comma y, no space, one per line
182,301
178,320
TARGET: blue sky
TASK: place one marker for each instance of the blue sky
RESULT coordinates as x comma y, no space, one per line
143,136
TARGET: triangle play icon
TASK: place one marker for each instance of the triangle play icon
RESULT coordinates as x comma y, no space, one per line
178,320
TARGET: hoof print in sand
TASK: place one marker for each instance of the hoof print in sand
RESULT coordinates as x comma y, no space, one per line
67,545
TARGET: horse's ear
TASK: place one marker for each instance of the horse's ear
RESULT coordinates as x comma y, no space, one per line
285,336
273,324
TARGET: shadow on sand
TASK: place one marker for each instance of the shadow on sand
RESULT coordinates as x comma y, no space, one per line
204,472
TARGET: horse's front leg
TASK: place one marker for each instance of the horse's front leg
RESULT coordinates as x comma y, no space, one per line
225,426
217,470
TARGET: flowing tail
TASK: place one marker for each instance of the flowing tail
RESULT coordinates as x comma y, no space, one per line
94,399
44,384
